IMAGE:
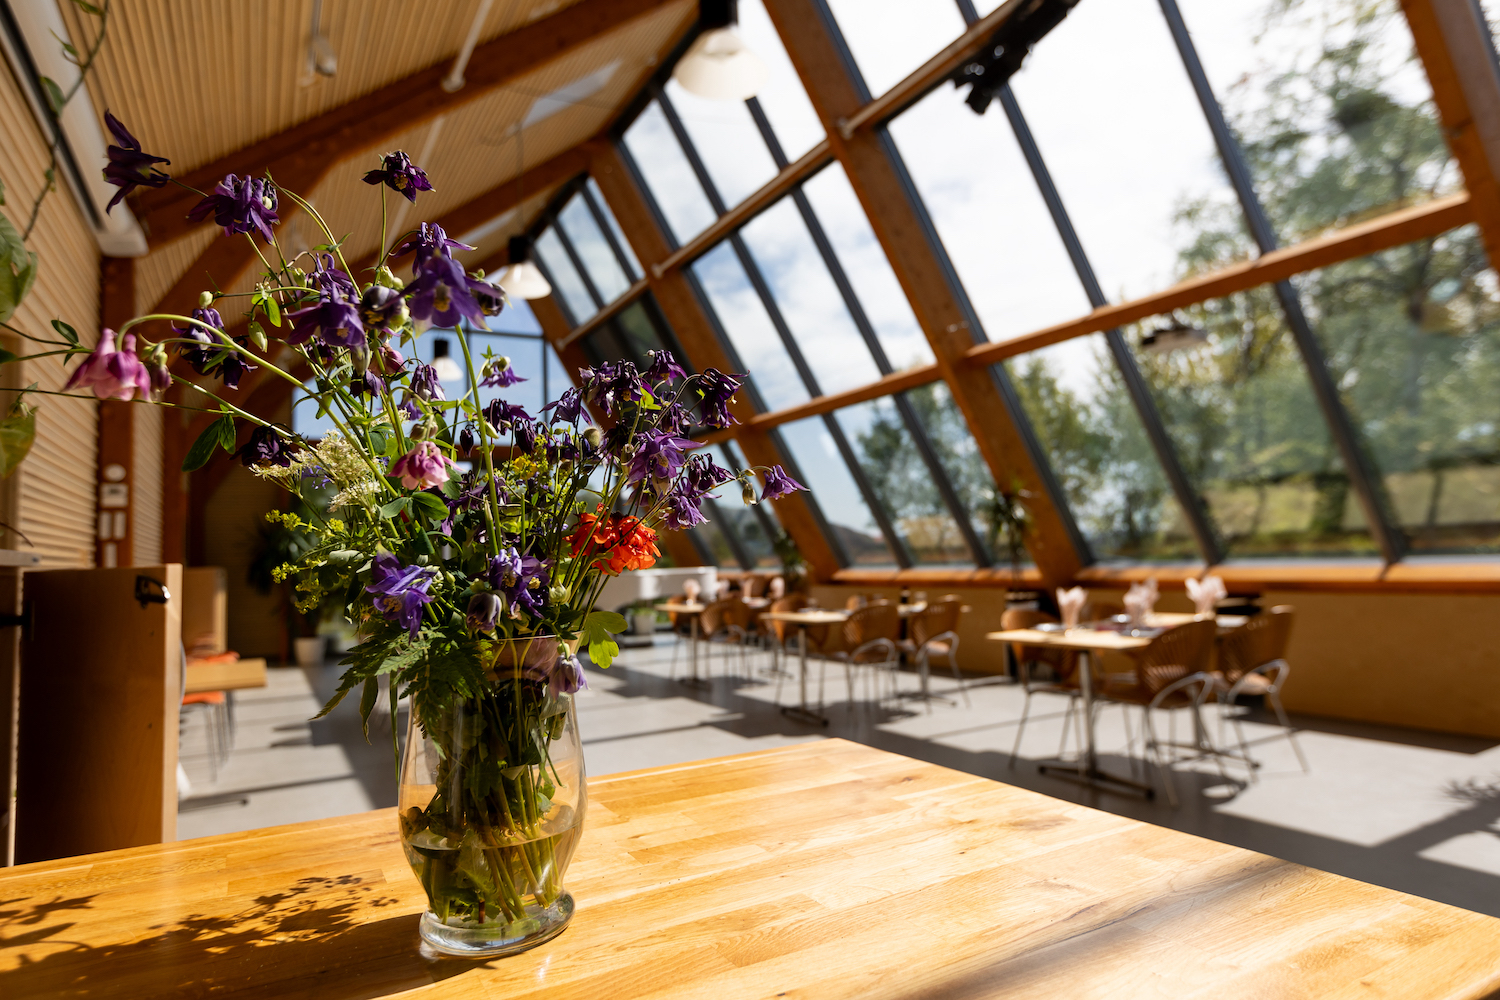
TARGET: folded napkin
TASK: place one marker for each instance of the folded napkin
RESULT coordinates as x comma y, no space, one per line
1140,600
691,589
1070,605
1206,593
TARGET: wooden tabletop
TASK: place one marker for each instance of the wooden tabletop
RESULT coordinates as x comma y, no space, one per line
229,676
1103,639
692,608
821,871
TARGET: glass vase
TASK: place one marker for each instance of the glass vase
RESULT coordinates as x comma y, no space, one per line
492,801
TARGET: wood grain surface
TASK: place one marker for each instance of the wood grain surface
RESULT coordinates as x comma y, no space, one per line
824,870
235,676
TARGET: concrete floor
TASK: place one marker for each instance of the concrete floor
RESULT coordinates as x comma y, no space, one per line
1414,811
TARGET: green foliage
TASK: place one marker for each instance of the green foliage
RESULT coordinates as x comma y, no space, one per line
17,435
219,434
596,629
18,269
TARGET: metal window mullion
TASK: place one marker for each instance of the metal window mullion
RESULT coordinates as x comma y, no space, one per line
1187,494
583,273
700,169
559,300
893,538
736,547
1364,477
609,235
639,180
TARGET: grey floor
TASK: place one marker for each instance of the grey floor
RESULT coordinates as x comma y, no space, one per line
1418,812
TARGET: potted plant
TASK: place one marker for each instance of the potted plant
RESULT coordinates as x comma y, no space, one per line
471,592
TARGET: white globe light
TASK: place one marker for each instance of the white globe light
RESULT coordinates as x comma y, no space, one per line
721,67
525,280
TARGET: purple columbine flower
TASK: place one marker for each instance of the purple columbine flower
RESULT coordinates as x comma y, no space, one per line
429,242
366,383
398,173
611,385
485,610
524,434
400,592
568,408
498,373
327,276
658,458
265,447
522,579
200,353
565,675
716,391
682,510
779,484
110,372
240,205
663,366
674,419
382,308
161,375
466,439
440,293
489,295
333,319
425,384
234,365
501,415
129,167
703,474
423,467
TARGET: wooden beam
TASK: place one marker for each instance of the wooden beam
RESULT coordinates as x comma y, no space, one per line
116,487
302,155
790,176
695,332
902,234
1422,222
1455,46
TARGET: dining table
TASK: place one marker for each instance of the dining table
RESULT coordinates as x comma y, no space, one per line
824,870
692,610
1088,640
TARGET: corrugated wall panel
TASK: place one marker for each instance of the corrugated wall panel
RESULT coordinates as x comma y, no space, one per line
146,504
56,489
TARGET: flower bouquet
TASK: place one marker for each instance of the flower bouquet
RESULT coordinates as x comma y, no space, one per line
472,588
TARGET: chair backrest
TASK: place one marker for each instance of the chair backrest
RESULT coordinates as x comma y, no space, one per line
871,622
783,629
720,614
753,586
855,602
1014,618
1175,654
1263,638
935,619
678,620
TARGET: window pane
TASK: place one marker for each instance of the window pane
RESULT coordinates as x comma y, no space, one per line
592,248
991,219
782,98
903,482
868,271
1093,437
1124,138
744,319
745,522
1250,435
808,299
727,141
668,175
630,336
892,38
958,453
565,279
614,227
717,545
1332,108
1413,338
825,474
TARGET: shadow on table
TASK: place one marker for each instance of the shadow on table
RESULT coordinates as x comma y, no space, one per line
304,941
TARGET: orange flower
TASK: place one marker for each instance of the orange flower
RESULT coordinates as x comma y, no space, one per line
616,543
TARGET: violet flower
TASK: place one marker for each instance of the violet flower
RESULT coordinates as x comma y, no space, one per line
129,167
682,510
398,173
565,675
430,241
568,407
366,383
240,205
610,385
111,372
658,457
498,373
234,366
440,294
664,366
502,415
400,592
333,319
331,279
382,308
490,296
716,391
265,447
703,474
425,384
201,355
522,579
779,484
485,610
422,467
466,439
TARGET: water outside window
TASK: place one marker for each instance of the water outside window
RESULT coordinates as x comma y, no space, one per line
823,471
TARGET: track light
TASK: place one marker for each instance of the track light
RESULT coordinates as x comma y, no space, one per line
523,278
321,59
719,65
1175,336
442,361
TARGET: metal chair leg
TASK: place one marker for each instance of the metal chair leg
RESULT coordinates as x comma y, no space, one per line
1021,729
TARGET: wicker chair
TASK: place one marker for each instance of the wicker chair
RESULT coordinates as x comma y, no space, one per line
933,631
1171,672
779,635
870,635
1252,661
1064,670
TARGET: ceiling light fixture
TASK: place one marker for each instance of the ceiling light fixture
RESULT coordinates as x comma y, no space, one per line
442,361
523,278
454,81
1175,336
719,65
321,58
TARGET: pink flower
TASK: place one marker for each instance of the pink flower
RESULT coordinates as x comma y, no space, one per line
112,373
423,467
